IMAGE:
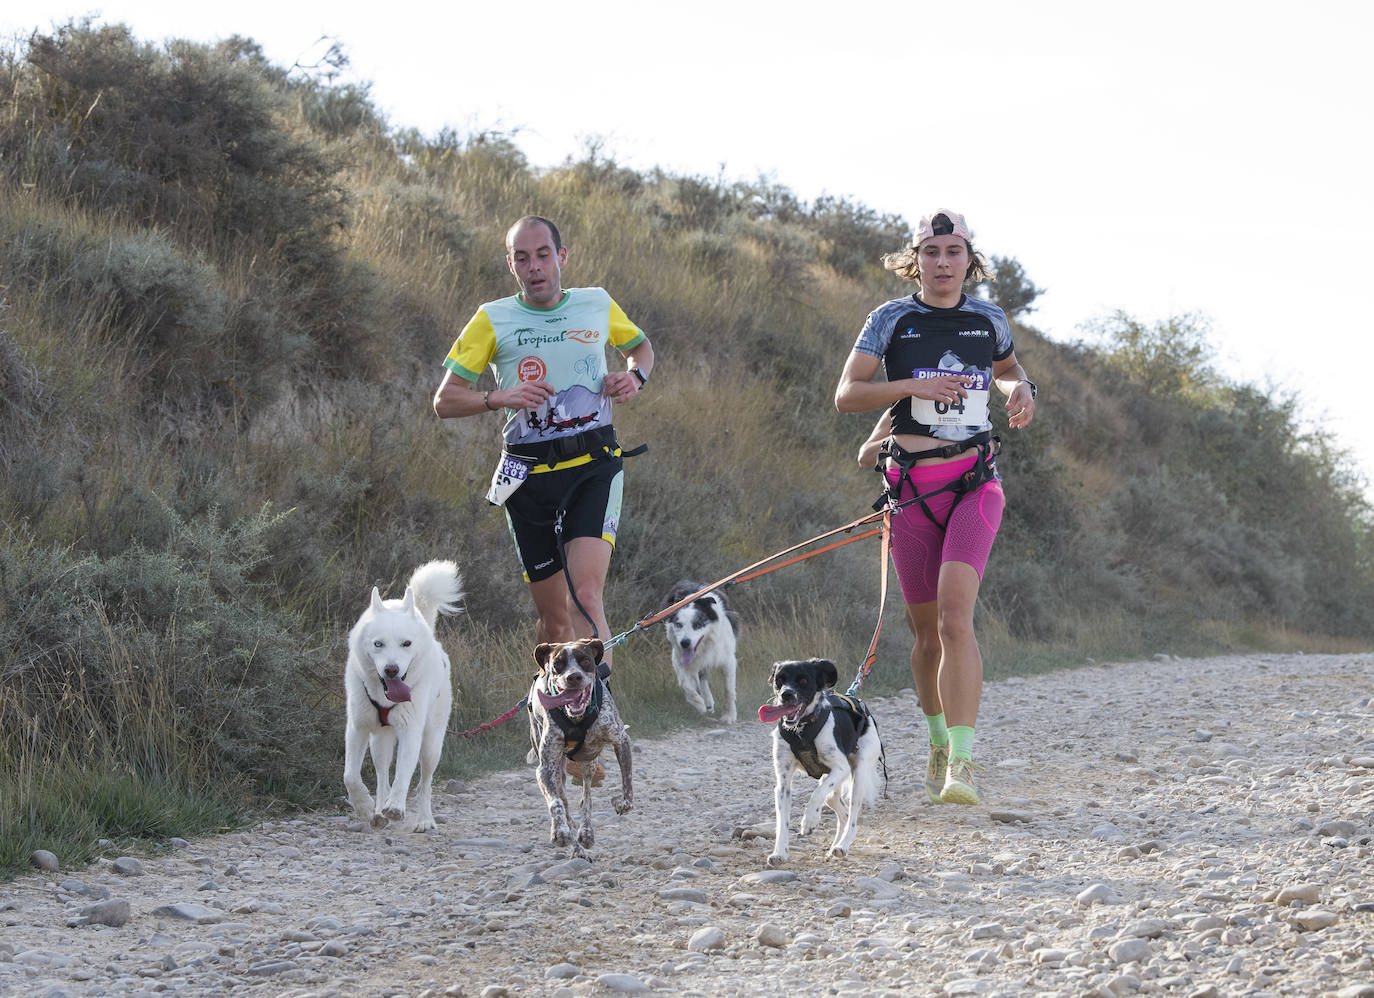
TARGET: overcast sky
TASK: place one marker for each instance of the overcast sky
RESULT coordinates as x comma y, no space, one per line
1162,158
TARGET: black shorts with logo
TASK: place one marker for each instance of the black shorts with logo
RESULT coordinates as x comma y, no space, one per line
592,494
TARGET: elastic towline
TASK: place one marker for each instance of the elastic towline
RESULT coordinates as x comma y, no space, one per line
755,570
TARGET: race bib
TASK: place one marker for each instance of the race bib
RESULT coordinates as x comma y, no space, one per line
511,473
969,411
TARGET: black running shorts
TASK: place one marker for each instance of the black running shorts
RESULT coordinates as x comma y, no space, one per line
590,492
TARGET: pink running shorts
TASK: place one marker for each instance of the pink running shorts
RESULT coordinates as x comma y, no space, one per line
920,547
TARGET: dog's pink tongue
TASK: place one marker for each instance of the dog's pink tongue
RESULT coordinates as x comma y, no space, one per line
395,690
558,700
690,653
771,712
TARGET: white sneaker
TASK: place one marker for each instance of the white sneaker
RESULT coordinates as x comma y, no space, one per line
959,787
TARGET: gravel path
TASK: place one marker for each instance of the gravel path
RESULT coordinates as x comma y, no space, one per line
1183,827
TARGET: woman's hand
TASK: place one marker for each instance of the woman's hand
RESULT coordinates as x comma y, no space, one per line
945,388
1020,407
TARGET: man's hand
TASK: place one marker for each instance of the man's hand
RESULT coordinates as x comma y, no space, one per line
620,386
526,395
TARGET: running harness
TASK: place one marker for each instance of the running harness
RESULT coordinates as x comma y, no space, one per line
984,470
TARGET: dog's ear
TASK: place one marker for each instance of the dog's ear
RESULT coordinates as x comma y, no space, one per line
377,606
596,648
707,604
773,675
826,673
408,600
542,653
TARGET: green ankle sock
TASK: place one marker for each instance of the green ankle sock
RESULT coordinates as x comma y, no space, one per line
939,734
961,741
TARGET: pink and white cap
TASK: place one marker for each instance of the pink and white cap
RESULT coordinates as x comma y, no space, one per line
934,225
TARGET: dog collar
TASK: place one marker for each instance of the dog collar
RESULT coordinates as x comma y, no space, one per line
382,712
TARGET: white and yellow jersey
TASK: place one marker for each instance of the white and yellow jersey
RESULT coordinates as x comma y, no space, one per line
564,345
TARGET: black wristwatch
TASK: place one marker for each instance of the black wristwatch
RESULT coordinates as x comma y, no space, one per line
643,378
1034,390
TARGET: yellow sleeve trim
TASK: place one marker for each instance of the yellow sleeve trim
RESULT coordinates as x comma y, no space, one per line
474,348
625,335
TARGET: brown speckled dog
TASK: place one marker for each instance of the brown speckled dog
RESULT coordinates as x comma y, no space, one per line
572,716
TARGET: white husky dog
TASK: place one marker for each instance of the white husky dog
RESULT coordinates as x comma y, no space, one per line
399,695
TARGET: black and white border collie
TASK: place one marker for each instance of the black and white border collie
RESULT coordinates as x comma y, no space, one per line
702,636
829,736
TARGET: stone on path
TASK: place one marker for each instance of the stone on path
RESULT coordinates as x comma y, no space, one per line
190,912
112,912
708,938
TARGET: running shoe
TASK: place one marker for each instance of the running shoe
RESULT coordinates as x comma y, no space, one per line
959,787
936,764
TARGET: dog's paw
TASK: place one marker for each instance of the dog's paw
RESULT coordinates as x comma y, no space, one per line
393,813
621,804
423,824
379,821
777,859
837,852
805,829
560,836
586,837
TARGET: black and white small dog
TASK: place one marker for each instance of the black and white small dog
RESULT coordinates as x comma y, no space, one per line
572,716
830,736
702,636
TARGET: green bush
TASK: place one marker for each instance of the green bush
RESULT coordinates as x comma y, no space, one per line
187,135
184,624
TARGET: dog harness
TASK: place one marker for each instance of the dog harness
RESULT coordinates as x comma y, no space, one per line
984,470
575,732
802,738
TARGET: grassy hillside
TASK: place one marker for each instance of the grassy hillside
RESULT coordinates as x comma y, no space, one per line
225,292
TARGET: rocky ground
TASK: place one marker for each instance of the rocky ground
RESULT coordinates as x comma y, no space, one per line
1182,827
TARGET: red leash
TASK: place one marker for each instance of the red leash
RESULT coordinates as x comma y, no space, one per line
488,725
